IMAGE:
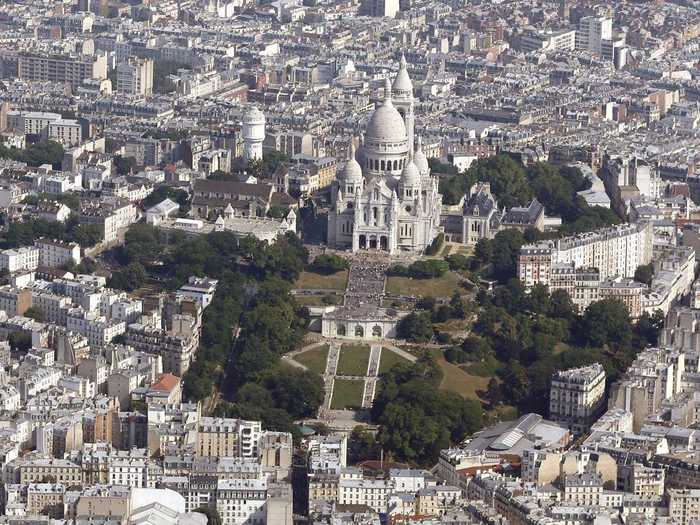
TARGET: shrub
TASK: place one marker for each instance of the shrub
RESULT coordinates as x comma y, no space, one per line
329,263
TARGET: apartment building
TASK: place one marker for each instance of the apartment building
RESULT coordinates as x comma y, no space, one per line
684,505
227,437
61,69
98,330
371,492
31,122
46,499
613,252
177,351
592,31
56,254
654,376
14,301
564,40
25,258
66,131
53,307
241,501
112,216
60,470
576,397
135,76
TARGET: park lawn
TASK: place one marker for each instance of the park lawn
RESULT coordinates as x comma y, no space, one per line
353,360
443,286
316,281
314,359
501,413
455,379
347,393
560,348
389,359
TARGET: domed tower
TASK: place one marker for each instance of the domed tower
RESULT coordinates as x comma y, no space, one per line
350,177
386,144
410,181
253,134
421,160
402,93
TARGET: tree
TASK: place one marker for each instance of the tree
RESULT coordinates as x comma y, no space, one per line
493,392
34,313
124,165
506,248
143,244
457,262
516,383
362,446
649,327
327,264
561,305
483,250
299,392
87,235
128,279
644,273
507,178
415,327
606,321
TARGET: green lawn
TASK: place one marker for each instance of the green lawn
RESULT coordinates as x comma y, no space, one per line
388,359
457,380
353,360
314,359
316,281
347,393
443,286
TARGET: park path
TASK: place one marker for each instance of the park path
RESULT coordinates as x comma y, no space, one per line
403,353
371,379
329,374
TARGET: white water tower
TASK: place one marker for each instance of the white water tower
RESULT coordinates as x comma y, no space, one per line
253,134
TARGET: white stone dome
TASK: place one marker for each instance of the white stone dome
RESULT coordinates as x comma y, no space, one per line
410,176
402,83
254,116
351,172
386,123
420,159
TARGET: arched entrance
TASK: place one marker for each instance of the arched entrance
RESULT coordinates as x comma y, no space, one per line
363,242
372,243
359,331
340,329
384,243
377,331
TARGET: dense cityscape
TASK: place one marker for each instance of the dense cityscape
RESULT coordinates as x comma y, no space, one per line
349,262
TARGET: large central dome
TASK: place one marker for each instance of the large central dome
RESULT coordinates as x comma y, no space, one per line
386,124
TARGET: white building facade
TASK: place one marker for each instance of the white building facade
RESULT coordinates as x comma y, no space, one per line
390,201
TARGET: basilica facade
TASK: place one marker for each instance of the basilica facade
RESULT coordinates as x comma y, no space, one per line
385,198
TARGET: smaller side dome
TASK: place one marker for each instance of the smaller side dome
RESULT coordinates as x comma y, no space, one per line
351,172
420,159
410,176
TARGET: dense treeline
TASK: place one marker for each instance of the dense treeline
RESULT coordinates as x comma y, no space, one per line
523,338
253,300
44,152
513,184
416,418
26,232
